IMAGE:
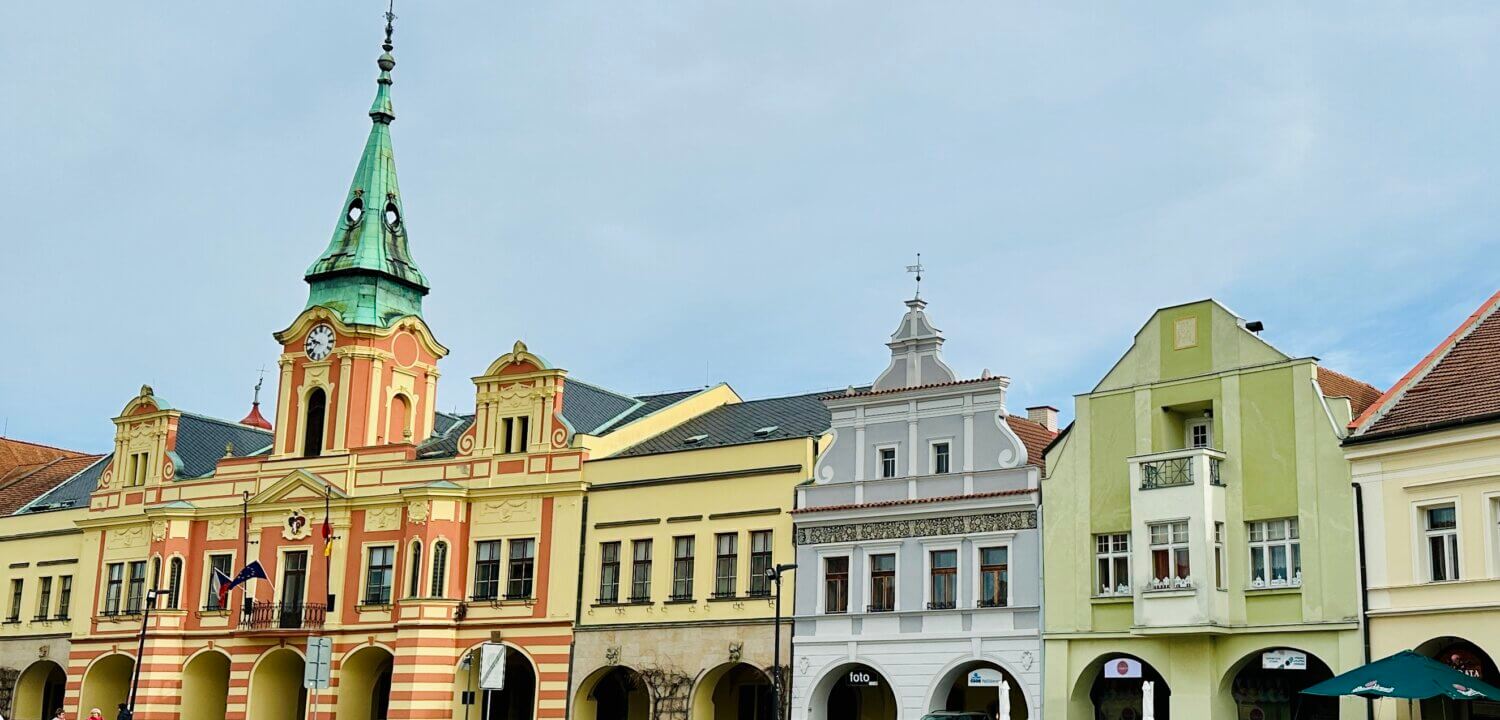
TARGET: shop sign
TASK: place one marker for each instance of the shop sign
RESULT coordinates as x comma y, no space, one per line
863,678
984,677
1122,668
1283,660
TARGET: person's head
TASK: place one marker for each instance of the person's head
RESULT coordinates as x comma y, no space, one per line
96,713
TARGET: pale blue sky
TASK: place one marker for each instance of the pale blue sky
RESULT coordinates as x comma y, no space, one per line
654,195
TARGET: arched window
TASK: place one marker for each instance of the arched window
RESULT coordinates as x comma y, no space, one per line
156,572
312,425
439,568
414,576
174,583
400,416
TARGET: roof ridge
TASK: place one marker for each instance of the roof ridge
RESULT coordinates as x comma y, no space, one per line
19,441
1392,397
1346,376
571,380
221,421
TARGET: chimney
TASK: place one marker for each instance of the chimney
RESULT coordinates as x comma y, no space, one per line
1044,415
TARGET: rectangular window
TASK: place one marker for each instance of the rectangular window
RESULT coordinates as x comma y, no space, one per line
112,588
508,428
520,577
379,575
1170,565
16,586
682,568
44,599
760,563
1442,543
726,564
1112,564
523,432
994,577
882,582
221,562
1275,554
836,584
1200,434
940,458
1219,575
487,570
174,583
64,597
609,573
943,580
887,462
640,571
135,597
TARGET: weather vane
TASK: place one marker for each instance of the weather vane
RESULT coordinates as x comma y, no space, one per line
390,19
917,270
258,383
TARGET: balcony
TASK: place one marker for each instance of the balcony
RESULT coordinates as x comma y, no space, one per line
1177,508
1179,468
284,616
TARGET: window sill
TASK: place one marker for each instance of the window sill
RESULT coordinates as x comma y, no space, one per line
1170,593
221,612
373,607
1278,590
602,604
681,601
730,598
1111,599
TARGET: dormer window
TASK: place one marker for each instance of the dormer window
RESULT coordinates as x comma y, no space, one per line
765,431
694,440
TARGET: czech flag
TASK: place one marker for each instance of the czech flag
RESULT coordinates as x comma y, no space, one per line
327,537
222,586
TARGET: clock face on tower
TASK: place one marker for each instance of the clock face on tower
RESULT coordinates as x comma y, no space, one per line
319,342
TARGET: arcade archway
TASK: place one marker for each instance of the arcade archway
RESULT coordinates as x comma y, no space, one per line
1115,688
1469,659
205,686
613,693
1275,693
518,699
106,683
952,692
365,684
733,691
39,691
852,691
276,691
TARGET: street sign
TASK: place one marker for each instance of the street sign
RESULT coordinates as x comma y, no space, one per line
1283,660
319,658
1122,668
492,666
985,677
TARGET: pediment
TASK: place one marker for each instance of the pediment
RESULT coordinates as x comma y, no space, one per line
297,486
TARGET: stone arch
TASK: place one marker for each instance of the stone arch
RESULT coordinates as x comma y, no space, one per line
106,682
838,694
364,683
1468,657
1091,689
518,701
1275,692
39,691
276,678
732,691
205,685
953,678
613,692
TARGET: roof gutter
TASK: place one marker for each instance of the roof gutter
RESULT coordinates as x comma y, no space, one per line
1423,428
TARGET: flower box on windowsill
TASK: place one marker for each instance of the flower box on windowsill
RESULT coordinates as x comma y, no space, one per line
1287,584
1170,584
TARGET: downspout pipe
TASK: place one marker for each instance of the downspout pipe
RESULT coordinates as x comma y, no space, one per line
1364,585
583,532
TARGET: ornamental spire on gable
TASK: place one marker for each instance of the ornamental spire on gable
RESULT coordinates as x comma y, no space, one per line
367,273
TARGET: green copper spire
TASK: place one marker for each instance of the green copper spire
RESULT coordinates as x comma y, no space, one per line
367,274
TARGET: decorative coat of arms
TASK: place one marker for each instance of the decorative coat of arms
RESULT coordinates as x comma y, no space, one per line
296,526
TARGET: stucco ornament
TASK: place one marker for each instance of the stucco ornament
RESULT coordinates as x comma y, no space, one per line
296,526
223,528
927,527
1013,451
159,530
386,518
416,512
612,655
803,665
736,650
128,537
1027,660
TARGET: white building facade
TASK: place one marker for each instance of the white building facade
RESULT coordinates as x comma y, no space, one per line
917,546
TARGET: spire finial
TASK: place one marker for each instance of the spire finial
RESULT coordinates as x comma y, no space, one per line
917,269
256,400
390,27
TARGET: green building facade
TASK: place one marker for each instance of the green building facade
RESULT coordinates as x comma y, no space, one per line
1199,531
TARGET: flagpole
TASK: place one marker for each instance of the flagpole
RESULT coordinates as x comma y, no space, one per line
244,549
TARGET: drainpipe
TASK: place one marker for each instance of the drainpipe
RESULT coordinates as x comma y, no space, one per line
1364,585
583,524
1041,595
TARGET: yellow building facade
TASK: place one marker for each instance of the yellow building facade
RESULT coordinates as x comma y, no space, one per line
1426,462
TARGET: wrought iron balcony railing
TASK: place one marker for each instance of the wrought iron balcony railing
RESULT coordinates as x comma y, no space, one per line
284,616
1171,472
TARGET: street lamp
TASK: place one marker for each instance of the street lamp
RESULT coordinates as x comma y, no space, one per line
774,575
127,711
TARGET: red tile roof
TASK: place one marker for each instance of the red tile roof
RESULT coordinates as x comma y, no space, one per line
867,392
916,501
1336,384
1459,380
18,457
1035,436
22,488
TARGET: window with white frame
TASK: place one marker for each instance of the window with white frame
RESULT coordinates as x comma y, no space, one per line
1171,565
1200,433
941,460
994,576
1441,527
1275,554
882,582
887,458
836,584
378,574
942,568
521,571
1112,564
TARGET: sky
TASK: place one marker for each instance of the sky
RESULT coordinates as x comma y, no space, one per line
659,195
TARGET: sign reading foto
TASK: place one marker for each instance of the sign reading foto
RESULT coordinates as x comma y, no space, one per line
985,677
863,677
1283,660
1122,668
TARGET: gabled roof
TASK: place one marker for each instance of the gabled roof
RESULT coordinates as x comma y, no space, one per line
736,424
1035,436
18,457
201,440
1458,382
71,493
1336,384
22,490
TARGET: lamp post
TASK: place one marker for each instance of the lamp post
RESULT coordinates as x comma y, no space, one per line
140,655
774,575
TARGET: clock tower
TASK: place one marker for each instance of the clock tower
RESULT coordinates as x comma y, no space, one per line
359,365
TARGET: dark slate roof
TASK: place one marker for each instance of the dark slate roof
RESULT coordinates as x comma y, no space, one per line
72,493
588,407
736,423
649,404
201,440
446,429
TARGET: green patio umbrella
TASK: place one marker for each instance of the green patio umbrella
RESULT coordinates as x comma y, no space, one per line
1406,675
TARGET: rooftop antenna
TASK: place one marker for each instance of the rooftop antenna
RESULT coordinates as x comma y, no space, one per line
917,270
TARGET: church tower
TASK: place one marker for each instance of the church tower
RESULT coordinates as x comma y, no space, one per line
359,365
